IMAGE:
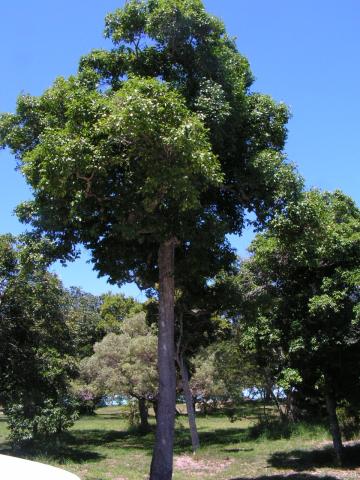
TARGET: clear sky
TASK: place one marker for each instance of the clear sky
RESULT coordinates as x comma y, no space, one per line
303,52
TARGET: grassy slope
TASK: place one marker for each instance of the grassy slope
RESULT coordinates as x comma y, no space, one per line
101,447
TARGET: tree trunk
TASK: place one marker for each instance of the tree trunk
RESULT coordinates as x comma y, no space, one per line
268,392
334,425
291,410
162,460
278,406
155,407
144,415
195,442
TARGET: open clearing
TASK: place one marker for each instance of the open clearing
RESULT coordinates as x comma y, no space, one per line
102,448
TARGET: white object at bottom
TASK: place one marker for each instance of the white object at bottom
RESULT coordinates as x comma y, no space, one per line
13,468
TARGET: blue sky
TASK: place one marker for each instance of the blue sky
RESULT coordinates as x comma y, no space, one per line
303,52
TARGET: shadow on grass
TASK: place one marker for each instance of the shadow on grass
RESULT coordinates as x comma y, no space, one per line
301,460
134,440
296,476
249,412
110,438
60,453
106,416
222,436
237,450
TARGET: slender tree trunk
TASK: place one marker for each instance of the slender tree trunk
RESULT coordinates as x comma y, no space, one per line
144,415
278,406
291,412
155,407
162,460
268,393
334,425
195,442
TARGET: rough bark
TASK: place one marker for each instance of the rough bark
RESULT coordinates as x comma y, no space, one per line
195,442
334,425
162,460
144,415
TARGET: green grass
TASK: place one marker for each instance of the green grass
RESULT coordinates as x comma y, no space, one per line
101,447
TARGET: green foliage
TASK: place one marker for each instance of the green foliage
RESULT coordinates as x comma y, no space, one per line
114,309
116,155
300,294
125,363
143,138
206,384
131,413
83,319
35,349
349,420
158,139
126,24
46,420
275,429
288,378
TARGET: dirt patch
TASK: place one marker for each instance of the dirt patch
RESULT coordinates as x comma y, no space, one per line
112,462
346,475
198,467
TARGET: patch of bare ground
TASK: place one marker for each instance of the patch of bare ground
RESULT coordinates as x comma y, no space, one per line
342,475
112,462
82,472
199,467
329,443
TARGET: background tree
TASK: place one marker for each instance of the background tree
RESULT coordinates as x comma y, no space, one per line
125,364
35,355
114,309
206,384
127,168
84,320
197,323
253,354
197,327
305,291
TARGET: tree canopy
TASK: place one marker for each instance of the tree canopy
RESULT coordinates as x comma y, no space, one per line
35,345
300,298
156,144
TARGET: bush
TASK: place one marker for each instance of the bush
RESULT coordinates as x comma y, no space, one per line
131,413
37,422
349,422
275,429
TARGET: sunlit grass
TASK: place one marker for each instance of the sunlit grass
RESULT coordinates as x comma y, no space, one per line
102,447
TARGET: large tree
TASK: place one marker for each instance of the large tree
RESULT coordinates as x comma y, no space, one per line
132,170
299,297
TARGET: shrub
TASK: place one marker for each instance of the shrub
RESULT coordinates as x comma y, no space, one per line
39,422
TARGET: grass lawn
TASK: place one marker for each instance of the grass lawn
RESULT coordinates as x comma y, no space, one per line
101,447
